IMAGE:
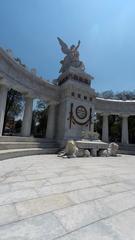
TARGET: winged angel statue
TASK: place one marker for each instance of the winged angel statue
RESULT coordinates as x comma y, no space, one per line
72,57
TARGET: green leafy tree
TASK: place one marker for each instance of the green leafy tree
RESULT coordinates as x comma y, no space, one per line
14,105
98,125
131,125
114,128
39,119
106,94
18,125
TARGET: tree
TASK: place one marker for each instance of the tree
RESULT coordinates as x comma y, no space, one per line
39,119
114,128
18,125
98,125
124,95
131,126
106,94
14,105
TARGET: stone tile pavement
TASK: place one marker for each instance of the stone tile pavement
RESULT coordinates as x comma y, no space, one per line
49,198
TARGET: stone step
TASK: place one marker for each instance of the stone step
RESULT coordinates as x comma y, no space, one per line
13,153
126,152
18,145
23,139
128,149
127,146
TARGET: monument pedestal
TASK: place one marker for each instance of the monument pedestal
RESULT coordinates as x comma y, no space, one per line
76,108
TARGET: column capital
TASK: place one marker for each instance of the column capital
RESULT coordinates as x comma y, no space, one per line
52,103
27,96
105,114
124,115
4,86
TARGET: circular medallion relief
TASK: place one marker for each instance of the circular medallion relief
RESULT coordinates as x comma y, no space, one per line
81,112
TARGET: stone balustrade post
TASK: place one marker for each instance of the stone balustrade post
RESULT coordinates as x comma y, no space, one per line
27,118
50,131
125,137
3,100
105,129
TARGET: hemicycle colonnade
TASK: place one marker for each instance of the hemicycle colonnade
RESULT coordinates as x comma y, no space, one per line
13,75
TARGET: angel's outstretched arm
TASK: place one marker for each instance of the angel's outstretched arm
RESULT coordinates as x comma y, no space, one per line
78,45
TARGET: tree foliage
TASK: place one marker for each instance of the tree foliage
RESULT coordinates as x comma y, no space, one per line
14,105
39,119
98,124
124,95
114,128
131,125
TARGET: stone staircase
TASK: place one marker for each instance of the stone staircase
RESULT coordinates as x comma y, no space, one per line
11,146
128,149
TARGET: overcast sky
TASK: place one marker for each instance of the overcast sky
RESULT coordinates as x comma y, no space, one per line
106,29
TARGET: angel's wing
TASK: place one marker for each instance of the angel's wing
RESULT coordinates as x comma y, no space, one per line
64,46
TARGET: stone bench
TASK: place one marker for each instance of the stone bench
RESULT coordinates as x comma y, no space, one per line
93,146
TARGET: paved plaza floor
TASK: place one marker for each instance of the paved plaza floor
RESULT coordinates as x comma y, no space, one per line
47,198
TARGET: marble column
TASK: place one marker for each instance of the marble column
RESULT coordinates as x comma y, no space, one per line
3,100
50,131
92,127
27,118
105,129
92,120
125,129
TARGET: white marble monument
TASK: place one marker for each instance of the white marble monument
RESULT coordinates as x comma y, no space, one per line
71,99
76,107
